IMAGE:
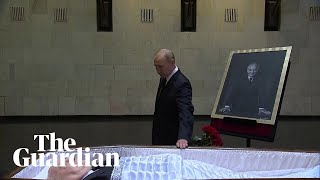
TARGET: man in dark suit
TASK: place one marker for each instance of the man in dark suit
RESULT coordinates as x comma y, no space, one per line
173,115
246,96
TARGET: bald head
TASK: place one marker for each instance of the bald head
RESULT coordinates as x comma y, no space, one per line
164,62
168,54
252,69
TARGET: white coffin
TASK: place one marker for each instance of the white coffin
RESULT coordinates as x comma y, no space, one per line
237,160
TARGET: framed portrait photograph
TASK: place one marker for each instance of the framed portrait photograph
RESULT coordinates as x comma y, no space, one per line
252,85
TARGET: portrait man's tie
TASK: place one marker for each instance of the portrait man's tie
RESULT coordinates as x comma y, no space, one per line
251,79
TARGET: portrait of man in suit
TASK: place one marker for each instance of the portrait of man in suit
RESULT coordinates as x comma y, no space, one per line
246,95
252,85
173,114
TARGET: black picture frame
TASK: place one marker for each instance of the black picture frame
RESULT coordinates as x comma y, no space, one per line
272,18
240,98
104,16
188,15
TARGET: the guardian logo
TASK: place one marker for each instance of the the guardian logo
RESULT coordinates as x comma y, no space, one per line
75,157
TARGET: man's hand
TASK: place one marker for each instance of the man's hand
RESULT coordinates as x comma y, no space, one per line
68,172
182,143
264,111
225,109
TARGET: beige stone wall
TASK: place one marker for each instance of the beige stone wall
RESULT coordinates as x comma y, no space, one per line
69,68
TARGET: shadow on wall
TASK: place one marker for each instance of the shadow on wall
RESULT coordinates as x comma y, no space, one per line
3,5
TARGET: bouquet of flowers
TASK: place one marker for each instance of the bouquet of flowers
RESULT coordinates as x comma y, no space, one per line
211,137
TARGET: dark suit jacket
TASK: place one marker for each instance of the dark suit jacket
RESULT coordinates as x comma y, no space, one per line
104,173
245,97
173,115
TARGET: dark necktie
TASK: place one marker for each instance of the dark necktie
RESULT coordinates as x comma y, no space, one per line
163,82
103,173
100,173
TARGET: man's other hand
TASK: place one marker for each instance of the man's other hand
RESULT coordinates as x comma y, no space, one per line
225,109
182,143
68,172
264,111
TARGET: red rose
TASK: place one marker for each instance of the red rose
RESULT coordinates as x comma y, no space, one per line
214,135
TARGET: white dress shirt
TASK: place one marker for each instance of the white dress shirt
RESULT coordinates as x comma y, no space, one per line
172,73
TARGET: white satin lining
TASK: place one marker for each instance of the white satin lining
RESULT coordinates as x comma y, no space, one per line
235,160
198,170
